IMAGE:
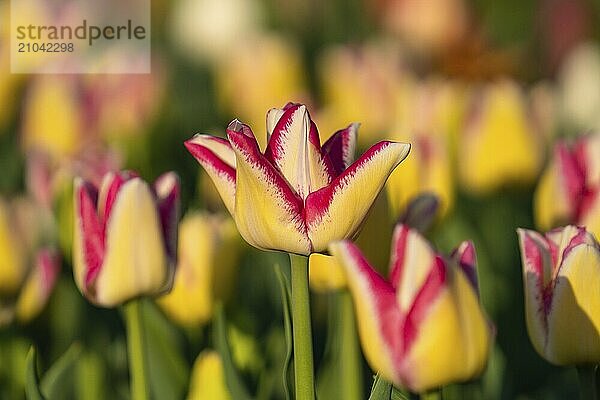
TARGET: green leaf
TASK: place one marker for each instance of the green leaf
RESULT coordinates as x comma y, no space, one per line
168,371
287,324
32,383
58,380
234,381
91,377
381,390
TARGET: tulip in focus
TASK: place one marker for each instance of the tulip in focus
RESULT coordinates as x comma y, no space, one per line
125,237
298,195
499,146
424,328
569,189
561,275
209,248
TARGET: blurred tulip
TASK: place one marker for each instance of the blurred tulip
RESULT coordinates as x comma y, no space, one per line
38,285
427,170
125,237
208,378
562,294
259,73
424,328
29,264
209,30
325,273
58,134
297,196
579,82
569,189
209,248
500,146
427,26
367,84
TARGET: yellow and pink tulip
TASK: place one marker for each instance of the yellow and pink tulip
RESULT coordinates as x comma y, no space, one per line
561,276
569,189
298,195
125,237
424,327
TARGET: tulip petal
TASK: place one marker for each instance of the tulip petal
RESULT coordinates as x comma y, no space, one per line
135,261
573,318
446,310
167,192
268,213
38,286
340,148
295,148
378,317
218,160
410,263
111,184
89,242
338,210
537,272
466,258
325,273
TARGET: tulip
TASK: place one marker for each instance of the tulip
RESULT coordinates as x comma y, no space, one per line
260,71
500,146
57,134
562,294
209,247
208,378
579,84
569,188
428,170
325,274
297,196
210,30
368,84
29,264
125,237
38,286
425,327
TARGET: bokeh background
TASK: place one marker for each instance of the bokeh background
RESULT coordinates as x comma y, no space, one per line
482,89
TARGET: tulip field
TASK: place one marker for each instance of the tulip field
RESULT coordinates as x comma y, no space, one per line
300,200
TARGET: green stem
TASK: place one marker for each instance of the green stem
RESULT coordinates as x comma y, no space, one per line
349,350
301,329
587,382
135,350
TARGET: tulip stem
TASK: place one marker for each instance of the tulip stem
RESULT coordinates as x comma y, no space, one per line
350,350
135,350
587,382
301,329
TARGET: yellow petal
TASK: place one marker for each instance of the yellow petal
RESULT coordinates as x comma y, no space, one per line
135,262
375,307
325,273
499,146
203,271
208,378
453,341
338,210
267,211
574,320
12,267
